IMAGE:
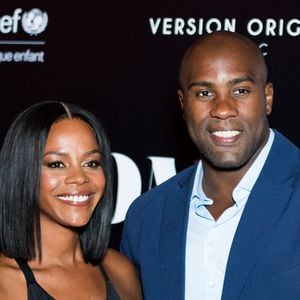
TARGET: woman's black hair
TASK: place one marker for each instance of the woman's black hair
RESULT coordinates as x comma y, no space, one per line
20,160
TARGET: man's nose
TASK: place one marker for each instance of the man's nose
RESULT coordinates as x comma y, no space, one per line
223,108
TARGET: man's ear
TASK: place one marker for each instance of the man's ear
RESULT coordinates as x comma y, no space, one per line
180,97
269,92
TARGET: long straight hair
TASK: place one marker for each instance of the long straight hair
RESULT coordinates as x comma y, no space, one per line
20,160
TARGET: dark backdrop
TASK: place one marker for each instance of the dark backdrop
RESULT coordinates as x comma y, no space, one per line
120,59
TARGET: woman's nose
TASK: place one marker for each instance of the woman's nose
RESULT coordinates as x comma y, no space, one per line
76,176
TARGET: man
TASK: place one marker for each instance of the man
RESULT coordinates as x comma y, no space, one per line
229,226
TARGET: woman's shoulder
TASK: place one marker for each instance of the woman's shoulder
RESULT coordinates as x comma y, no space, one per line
12,282
122,273
8,266
114,259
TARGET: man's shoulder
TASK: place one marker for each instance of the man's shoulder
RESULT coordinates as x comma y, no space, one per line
283,142
283,161
285,151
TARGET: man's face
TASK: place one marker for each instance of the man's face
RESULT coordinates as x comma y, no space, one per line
225,103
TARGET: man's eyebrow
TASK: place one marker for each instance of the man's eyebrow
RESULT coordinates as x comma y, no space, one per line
230,82
200,83
240,79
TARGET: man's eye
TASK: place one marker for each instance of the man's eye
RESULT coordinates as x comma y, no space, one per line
55,164
204,93
241,91
93,164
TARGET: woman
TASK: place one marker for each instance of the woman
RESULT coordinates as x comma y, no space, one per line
56,209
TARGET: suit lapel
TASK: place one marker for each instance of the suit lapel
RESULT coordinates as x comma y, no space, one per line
264,207
173,241
255,229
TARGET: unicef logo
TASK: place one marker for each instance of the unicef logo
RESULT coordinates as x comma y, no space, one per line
34,21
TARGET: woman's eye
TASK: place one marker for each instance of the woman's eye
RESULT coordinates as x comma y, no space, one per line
55,164
93,164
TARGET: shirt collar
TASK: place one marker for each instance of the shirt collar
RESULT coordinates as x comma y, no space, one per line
245,185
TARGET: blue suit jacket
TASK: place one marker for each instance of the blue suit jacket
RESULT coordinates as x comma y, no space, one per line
264,260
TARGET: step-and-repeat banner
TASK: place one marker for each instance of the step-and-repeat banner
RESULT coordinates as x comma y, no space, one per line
121,59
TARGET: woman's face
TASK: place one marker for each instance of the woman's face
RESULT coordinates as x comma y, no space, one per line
72,178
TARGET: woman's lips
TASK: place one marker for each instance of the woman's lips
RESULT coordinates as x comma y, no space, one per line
75,199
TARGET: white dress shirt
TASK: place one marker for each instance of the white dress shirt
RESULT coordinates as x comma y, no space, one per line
208,240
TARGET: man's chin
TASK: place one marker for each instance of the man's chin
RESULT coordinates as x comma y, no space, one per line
227,163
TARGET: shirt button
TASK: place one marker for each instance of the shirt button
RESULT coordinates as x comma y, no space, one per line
211,284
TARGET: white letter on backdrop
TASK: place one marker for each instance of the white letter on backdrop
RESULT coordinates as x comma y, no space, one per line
162,169
129,185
